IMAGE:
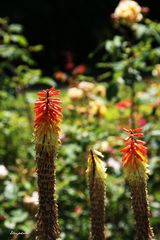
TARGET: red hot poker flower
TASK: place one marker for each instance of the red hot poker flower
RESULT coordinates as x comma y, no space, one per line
47,112
46,131
134,151
135,170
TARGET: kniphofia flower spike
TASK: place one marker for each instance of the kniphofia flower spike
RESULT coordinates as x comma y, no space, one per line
135,168
46,133
96,181
135,153
48,114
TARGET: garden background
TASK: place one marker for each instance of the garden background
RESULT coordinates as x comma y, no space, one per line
101,70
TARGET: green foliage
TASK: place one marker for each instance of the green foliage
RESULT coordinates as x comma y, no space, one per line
16,63
17,76
130,56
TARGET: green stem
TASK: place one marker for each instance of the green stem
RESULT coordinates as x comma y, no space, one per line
132,109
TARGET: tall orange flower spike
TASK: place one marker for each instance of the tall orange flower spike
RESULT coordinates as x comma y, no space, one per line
136,169
47,114
135,151
46,133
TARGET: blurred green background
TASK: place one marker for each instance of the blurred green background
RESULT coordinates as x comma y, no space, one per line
101,70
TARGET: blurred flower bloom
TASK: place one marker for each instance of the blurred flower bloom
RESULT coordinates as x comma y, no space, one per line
78,210
124,104
156,71
62,136
101,90
114,164
145,10
32,200
128,11
96,108
3,172
81,110
69,65
80,69
87,87
70,107
60,76
142,122
156,104
104,146
75,94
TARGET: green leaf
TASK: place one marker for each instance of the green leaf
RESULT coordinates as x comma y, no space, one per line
16,28
48,81
112,91
9,224
20,39
36,48
10,191
18,216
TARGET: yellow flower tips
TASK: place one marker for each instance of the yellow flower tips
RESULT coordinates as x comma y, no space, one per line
96,181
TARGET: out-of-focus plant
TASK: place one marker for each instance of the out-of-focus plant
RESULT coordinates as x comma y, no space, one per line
16,67
18,75
131,56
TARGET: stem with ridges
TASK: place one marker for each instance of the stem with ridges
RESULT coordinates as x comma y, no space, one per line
97,199
47,216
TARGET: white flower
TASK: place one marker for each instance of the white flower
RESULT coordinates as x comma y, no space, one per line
3,172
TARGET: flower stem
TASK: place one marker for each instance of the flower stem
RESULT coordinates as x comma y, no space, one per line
47,217
139,196
96,175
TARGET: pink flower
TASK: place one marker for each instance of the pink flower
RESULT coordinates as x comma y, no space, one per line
142,122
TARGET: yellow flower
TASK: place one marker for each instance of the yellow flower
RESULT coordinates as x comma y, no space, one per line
129,11
101,90
96,108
